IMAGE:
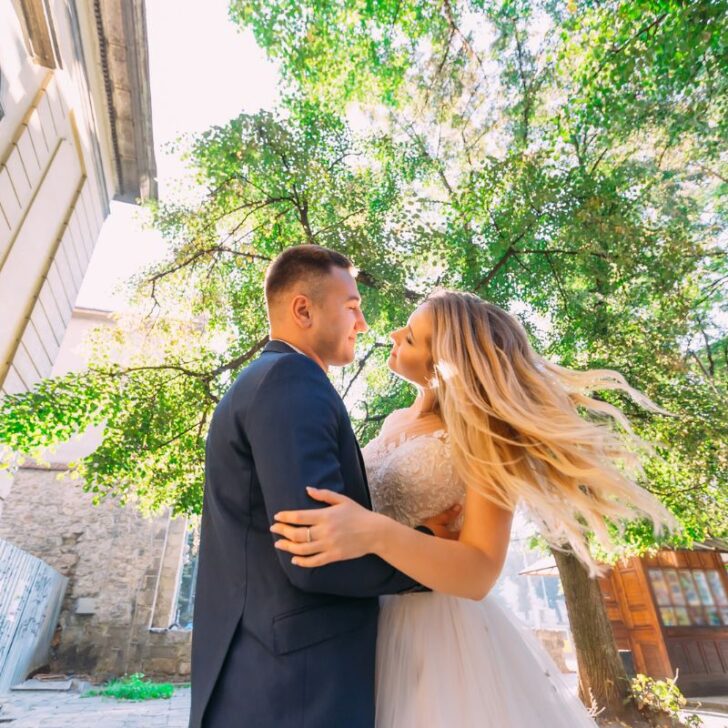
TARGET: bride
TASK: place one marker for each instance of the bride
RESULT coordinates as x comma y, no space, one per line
493,425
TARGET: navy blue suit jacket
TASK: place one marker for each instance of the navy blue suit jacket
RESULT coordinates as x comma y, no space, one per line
275,644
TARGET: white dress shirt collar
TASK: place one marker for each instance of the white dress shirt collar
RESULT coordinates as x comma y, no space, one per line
288,343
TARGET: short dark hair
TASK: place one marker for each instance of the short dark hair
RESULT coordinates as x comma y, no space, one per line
301,263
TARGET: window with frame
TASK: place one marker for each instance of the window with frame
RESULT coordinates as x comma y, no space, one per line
185,602
689,597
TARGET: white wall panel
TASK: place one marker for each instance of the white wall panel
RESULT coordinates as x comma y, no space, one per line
94,208
21,77
19,177
38,353
89,234
42,325
31,163
48,123
75,250
63,300
50,307
65,271
57,106
26,368
9,200
13,384
5,234
47,229
29,257
39,321
76,231
35,133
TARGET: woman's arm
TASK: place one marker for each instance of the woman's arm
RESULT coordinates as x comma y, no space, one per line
468,567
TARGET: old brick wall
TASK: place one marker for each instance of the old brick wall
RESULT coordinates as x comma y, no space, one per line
122,566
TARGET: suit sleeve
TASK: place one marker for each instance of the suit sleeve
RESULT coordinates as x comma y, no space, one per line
292,426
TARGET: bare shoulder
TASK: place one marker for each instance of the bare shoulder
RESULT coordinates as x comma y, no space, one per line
394,419
404,421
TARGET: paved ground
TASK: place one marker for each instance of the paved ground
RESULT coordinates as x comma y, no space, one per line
713,710
70,710
714,720
713,704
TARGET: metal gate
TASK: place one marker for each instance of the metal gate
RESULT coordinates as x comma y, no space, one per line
31,595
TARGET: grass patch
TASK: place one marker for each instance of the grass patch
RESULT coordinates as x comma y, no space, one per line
133,687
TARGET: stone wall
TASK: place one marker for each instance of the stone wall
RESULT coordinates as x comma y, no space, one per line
122,570
6,482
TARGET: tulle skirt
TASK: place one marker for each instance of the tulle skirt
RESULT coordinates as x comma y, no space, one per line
445,662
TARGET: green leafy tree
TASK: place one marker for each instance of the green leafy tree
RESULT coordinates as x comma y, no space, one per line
561,159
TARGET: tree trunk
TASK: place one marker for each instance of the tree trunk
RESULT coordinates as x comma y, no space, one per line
602,677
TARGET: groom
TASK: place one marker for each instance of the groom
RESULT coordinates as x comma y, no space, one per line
275,644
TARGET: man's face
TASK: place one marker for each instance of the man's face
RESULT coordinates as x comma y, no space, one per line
338,318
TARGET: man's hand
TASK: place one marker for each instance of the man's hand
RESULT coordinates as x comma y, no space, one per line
443,525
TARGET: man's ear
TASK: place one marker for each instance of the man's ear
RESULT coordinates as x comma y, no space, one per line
301,309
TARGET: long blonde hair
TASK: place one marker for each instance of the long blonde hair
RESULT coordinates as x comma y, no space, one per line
517,434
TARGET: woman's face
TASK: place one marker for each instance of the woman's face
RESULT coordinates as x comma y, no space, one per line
411,356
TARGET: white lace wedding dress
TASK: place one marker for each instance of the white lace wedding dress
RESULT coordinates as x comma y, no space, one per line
443,661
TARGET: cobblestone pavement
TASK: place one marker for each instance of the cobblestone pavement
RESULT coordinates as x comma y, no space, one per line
712,720
70,710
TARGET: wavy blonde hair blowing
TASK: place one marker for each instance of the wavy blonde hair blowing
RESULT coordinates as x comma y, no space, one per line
517,434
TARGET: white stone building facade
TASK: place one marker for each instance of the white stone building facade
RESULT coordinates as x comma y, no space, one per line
75,133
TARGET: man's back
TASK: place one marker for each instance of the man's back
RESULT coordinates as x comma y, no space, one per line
275,644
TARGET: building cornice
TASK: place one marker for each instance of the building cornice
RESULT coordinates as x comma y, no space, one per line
121,35
116,30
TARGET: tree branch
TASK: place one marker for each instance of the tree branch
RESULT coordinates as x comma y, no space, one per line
712,172
199,425
240,360
510,251
360,369
204,377
709,379
201,254
559,285
426,153
366,279
367,419
263,204
614,51
561,251
493,272
525,86
708,353
339,222
447,7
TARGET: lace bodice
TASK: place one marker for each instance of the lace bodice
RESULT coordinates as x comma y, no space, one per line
412,478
